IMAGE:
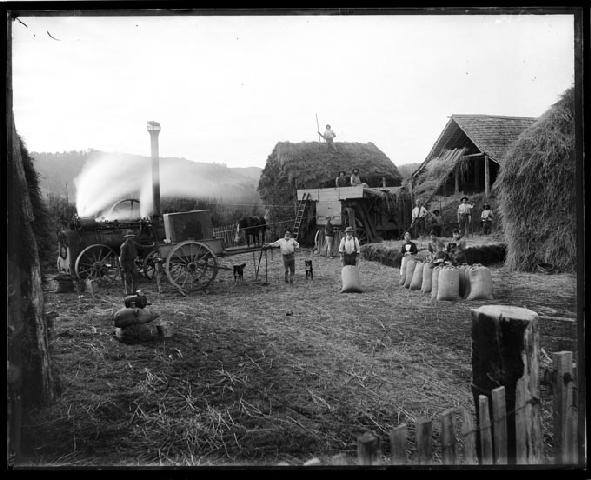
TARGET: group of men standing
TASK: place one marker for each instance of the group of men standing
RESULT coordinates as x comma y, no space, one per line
349,249
420,215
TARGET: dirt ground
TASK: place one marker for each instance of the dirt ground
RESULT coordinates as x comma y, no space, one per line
263,373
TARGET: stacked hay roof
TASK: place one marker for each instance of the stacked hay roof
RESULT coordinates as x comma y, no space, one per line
465,135
535,188
293,166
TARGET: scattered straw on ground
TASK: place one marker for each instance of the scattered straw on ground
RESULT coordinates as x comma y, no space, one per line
259,374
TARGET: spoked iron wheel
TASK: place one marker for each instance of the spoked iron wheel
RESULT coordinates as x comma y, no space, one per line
190,266
148,268
97,262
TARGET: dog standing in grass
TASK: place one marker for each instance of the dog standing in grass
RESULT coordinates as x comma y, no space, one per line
239,272
309,269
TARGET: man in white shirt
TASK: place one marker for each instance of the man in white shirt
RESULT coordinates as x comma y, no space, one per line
419,215
464,216
287,246
328,137
349,248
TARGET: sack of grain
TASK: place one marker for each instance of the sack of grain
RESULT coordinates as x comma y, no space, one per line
435,281
427,277
417,277
133,316
480,283
448,287
350,279
138,333
410,270
403,270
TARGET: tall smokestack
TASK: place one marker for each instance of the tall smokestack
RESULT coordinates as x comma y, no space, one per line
154,131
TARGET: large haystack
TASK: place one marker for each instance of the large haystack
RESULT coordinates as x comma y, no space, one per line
293,166
535,187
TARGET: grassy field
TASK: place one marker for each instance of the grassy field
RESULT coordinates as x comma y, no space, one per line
264,373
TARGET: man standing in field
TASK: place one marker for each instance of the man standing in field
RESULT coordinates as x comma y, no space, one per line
328,137
464,216
419,216
127,256
287,246
349,248
329,236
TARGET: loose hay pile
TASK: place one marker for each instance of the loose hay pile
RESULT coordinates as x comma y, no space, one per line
536,191
313,165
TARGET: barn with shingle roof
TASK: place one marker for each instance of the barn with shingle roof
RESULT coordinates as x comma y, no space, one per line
465,158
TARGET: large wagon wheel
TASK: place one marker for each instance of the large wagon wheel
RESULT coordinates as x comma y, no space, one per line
148,267
97,261
190,266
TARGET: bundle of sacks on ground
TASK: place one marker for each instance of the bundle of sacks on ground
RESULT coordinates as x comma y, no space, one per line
136,324
445,281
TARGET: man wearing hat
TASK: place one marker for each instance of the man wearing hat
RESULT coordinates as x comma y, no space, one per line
328,137
287,246
486,218
341,180
464,216
127,256
355,179
349,248
329,236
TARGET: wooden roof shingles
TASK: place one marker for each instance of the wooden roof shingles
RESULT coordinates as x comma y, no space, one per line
492,134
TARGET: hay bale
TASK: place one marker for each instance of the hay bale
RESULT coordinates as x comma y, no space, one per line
540,166
488,254
313,165
378,252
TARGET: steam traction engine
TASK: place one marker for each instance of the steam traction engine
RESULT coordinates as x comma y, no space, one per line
183,242
89,249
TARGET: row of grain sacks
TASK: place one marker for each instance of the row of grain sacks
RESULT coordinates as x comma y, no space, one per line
446,282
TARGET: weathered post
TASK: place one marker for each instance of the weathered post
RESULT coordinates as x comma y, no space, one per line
505,347
368,446
486,177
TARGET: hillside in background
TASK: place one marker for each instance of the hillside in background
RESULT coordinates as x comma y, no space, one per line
407,169
57,171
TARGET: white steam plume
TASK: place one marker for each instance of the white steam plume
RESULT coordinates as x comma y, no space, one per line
112,177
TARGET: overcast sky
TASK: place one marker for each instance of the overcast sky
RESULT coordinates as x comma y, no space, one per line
227,89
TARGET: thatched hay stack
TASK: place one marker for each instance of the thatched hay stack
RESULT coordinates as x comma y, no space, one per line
536,193
293,166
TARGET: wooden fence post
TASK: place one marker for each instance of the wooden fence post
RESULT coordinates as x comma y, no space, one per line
368,446
424,430
398,439
448,437
484,427
469,435
499,425
565,446
520,422
505,347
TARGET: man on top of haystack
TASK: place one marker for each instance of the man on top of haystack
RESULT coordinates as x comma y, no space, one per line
328,137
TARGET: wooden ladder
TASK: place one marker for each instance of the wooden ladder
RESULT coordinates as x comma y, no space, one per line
302,204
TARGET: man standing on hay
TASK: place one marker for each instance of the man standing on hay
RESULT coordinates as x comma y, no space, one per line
341,180
328,137
127,256
349,248
287,246
464,216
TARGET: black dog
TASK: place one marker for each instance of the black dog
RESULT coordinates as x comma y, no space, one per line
309,270
239,272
